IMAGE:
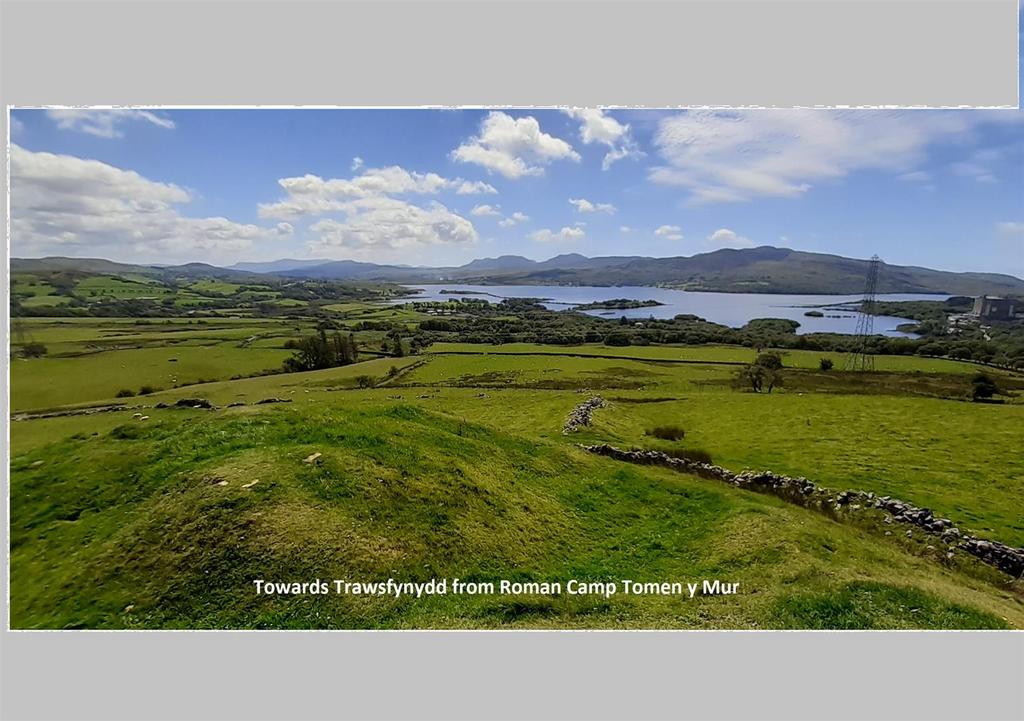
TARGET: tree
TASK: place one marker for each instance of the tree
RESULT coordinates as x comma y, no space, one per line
825,364
769,360
33,350
760,377
320,351
983,387
399,352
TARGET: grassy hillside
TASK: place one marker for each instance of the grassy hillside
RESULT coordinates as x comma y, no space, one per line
440,453
457,467
166,523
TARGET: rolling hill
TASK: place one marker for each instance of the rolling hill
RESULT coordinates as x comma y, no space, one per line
765,269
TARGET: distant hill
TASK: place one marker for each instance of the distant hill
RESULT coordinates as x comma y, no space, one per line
276,266
749,270
83,265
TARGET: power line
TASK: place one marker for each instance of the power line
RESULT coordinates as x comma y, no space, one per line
861,359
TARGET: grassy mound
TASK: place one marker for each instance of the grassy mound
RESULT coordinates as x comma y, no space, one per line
167,523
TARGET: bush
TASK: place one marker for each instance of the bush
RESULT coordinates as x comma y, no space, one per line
125,393
983,387
825,364
146,390
667,433
33,350
364,381
392,371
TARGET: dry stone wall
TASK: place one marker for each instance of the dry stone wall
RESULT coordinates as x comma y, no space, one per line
810,495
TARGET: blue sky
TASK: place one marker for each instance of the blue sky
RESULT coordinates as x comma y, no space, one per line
942,189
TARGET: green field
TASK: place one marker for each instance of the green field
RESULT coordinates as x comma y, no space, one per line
453,463
715,354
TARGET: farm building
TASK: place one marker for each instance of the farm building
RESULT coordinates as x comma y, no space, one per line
991,308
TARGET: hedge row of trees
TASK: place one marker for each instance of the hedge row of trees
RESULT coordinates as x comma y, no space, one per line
322,351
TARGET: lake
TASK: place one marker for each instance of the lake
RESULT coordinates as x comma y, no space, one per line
731,309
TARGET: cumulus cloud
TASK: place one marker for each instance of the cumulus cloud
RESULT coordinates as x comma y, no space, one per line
513,220
377,226
585,206
669,232
481,210
735,156
64,205
725,238
596,126
313,195
513,147
357,163
105,123
545,235
474,187
284,228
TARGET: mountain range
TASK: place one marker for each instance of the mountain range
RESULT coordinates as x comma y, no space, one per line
765,269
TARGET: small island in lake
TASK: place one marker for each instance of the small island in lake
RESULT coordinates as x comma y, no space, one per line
618,304
814,314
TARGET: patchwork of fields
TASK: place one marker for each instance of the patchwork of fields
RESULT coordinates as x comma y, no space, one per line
453,463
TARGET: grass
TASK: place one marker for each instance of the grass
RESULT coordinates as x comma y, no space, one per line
103,522
107,286
713,353
960,459
458,467
49,382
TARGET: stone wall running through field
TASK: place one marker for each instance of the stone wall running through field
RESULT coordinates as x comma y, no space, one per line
810,495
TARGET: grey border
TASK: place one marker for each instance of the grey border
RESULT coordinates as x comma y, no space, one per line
907,53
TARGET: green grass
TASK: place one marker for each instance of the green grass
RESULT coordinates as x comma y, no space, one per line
133,529
49,382
210,285
960,459
107,286
458,467
714,353
45,301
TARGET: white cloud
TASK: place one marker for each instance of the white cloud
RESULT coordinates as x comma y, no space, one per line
16,126
104,123
357,163
725,238
1010,229
284,228
474,187
481,210
513,220
63,205
545,235
669,232
598,127
378,227
732,156
585,206
625,229
313,195
513,147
